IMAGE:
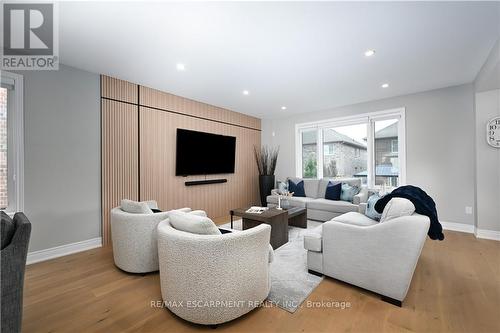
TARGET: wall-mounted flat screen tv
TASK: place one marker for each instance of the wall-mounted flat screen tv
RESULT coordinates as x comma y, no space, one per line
200,153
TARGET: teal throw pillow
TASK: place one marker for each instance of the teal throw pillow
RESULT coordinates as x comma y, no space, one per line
348,192
370,207
282,187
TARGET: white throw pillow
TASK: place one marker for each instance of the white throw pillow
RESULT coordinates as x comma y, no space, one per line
397,207
193,223
135,207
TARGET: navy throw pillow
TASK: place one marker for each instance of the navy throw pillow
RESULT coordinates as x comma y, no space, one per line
333,191
297,189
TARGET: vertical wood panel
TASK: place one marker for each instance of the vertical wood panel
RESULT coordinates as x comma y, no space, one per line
158,180
119,158
119,90
162,100
123,123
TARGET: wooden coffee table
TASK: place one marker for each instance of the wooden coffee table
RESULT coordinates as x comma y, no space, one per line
277,219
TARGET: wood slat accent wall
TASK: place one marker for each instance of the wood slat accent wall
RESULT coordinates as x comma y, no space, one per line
139,146
120,148
119,90
165,101
158,180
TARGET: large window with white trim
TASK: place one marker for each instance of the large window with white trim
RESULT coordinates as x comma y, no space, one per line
11,142
368,146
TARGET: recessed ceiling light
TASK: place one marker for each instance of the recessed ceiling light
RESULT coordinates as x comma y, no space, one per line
283,108
385,85
369,53
180,67
246,92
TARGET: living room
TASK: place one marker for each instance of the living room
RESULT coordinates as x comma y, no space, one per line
250,166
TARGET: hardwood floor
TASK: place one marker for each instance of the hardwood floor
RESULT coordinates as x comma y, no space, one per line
456,288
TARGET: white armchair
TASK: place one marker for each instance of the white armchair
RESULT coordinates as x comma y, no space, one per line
380,257
212,279
134,239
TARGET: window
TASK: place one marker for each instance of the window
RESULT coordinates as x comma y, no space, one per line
386,157
328,149
4,202
368,146
11,142
347,143
309,153
394,146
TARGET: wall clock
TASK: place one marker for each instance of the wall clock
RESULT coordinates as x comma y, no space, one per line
493,132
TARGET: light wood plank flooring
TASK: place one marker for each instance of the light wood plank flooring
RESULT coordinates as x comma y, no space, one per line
456,288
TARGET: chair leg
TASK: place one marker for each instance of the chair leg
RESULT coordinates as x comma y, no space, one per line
391,301
310,271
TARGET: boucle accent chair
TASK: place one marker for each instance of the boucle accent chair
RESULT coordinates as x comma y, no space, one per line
212,279
380,257
135,248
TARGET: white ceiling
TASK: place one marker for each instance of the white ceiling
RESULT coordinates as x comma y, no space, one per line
306,56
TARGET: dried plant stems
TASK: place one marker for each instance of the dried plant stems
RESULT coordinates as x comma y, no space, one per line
266,159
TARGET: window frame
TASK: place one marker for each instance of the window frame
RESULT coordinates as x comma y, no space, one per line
17,114
369,118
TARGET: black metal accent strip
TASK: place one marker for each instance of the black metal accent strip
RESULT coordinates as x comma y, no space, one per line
100,160
138,143
182,114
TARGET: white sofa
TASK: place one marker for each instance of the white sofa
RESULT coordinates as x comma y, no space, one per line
134,241
319,208
380,257
212,279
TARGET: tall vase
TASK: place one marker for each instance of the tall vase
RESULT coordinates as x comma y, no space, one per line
266,184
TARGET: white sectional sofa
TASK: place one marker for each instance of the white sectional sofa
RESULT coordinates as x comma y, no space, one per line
319,208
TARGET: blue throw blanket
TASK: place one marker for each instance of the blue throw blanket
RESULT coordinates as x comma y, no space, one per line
423,203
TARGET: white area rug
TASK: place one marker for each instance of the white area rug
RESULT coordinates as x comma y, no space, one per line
291,284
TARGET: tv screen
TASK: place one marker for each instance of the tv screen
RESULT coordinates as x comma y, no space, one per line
200,153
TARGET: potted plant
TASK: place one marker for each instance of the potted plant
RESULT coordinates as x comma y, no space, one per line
266,158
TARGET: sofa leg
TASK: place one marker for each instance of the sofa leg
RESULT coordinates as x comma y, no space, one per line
310,271
391,301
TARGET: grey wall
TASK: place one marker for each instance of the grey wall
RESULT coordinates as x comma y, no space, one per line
488,163
62,156
487,106
488,77
439,144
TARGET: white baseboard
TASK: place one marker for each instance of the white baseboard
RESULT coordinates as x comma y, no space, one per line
479,233
63,250
461,227
488,234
